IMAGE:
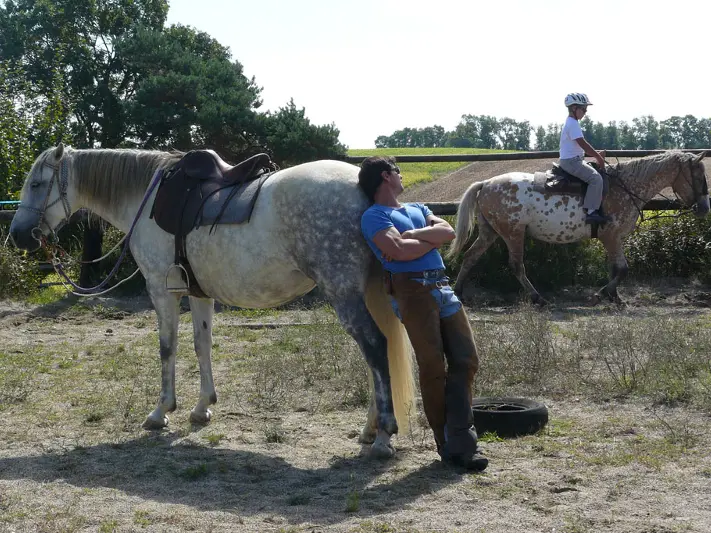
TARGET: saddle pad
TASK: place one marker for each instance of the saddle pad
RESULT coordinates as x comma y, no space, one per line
239,208
210,202
539,181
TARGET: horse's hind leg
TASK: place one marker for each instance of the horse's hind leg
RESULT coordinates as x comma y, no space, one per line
202,311
514,243
487,236
356,319
168,309
618,270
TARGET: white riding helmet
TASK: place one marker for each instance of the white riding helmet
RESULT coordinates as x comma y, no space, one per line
577,99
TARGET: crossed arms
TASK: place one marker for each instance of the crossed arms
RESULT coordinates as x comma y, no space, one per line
413,243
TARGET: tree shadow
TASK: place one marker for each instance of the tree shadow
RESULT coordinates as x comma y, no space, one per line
155,467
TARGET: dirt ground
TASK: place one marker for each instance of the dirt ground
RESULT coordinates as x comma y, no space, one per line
301,468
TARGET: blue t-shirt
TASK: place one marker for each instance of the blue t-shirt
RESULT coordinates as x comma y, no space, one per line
409,216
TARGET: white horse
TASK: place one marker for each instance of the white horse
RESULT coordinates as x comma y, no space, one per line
304,231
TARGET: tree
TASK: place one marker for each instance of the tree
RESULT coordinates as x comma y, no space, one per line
540,139
76,41
292,139
646,131
15,149
190,93
429,137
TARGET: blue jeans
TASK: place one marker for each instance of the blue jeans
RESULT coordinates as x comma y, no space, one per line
443,294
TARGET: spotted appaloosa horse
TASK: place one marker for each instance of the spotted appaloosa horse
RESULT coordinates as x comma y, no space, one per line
507,206
304,231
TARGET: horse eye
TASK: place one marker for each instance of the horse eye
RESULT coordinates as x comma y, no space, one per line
35,184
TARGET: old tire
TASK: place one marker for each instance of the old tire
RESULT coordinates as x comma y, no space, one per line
508,417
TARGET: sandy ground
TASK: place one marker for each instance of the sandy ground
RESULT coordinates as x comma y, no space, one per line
60,473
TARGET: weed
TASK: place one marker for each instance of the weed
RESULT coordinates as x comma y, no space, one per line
193,473
353,502
274,433
214,438
108,526
490,437
141,518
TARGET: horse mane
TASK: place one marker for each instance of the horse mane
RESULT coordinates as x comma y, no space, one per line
645,166
108,176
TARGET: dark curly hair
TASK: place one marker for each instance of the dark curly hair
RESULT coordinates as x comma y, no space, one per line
371,174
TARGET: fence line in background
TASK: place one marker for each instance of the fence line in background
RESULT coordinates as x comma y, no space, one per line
511,156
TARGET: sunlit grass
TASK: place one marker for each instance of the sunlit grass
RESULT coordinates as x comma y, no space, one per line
48,295
423,172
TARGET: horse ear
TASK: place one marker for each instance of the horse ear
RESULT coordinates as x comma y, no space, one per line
59,151
698,158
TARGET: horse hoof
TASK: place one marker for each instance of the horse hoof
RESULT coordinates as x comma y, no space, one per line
595,299
200,417
381,451
366,437
152,424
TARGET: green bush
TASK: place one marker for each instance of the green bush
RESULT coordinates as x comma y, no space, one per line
670,246
19,275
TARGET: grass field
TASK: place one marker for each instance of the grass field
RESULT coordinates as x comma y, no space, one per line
423,172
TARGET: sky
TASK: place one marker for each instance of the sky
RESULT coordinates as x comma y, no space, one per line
372,67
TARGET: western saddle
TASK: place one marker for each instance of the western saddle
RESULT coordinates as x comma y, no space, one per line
201,190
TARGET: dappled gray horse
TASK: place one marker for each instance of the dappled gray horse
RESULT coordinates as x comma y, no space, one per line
508,206
304,231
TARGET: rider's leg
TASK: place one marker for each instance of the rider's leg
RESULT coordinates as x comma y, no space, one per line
585,172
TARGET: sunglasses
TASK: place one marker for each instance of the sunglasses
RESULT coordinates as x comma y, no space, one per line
395,169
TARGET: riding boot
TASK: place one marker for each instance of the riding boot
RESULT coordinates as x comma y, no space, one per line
463,363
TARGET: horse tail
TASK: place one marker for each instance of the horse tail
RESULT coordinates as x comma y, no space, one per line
466,218
402,382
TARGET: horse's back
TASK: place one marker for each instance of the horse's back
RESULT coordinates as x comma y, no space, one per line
305,229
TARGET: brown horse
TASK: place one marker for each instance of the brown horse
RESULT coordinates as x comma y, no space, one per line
507,206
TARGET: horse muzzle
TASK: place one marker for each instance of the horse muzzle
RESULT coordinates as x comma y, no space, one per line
25,238
701,208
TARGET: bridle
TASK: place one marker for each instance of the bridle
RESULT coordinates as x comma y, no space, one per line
690,181
60,176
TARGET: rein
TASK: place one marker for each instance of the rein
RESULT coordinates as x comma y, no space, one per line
56,252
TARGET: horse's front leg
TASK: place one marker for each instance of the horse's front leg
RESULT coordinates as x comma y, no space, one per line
618,271
202,311
168,310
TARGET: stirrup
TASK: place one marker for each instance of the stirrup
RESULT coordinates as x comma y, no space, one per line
182,275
